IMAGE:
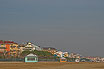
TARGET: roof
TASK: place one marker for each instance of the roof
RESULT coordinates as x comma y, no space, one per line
31,55
48,48
7,42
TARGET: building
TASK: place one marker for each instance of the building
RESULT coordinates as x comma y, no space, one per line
14,49
74,55
65,54
49,49
59,54
9,48
21,47
94,59
77,60
1,42
62,59
31,58
102,59
2,48
30,47
38,48
62,54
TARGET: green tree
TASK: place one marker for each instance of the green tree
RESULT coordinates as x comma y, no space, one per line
38,53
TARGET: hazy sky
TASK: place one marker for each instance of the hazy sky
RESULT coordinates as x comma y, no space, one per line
68,25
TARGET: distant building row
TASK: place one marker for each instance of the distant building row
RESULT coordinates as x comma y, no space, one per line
13,49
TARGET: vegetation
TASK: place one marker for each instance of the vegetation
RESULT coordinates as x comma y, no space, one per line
1,57
40,54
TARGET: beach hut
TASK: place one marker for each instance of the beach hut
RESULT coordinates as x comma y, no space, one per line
62,59
31,58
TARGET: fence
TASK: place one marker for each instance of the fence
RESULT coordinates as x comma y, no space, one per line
22,60
40,60
48,60
12,60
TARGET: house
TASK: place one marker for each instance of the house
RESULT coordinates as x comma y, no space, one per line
49,49
59,54
31,58
102,59
62,54
38,48
31,47
74,55
65,54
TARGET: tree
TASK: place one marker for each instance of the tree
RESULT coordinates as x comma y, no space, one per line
41,54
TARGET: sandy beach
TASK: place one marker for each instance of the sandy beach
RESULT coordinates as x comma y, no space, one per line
50,65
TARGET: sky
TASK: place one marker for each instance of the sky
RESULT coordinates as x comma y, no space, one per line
68,25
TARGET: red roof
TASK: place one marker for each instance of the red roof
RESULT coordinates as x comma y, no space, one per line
7,42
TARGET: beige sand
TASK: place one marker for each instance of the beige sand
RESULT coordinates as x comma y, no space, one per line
50,65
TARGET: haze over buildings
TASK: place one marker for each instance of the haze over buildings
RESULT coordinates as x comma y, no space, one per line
74,26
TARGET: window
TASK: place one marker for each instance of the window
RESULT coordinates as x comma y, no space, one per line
63,59
30,58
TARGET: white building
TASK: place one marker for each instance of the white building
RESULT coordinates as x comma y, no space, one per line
74,55
36,47
62,54
59,54
102,59
31,47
